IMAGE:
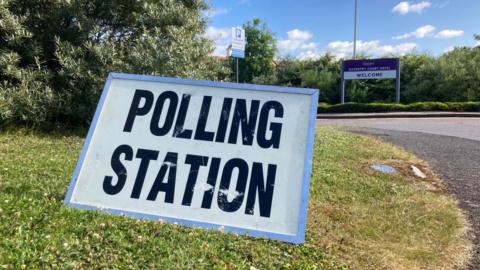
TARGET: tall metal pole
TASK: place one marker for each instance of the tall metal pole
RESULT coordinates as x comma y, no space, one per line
237,69
397,83
342,83
355,32
342,86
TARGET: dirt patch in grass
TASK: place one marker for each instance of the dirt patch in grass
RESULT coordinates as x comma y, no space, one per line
431,182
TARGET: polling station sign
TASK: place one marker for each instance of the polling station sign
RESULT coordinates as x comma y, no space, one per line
235,157
385,68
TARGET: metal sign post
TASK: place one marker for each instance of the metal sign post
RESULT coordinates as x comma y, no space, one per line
355,31
385,68
397,83
238,45
342,86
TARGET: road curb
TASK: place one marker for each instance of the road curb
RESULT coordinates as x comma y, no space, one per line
396,115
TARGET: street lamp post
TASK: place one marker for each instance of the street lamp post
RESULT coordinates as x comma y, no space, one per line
342,83
355,31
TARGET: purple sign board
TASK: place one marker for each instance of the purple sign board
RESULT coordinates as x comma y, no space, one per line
386,68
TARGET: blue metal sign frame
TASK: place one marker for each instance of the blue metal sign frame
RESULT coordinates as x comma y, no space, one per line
238,53
298,238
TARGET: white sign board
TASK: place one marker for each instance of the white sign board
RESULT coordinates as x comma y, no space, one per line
238,42
365,75
238,38
225,156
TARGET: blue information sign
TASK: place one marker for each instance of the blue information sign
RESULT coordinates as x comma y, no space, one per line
238,53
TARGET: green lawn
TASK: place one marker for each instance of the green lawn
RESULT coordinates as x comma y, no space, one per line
357,219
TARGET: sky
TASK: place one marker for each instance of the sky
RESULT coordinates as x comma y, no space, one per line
310,28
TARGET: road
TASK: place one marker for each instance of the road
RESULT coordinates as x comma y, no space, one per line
467,128
450,145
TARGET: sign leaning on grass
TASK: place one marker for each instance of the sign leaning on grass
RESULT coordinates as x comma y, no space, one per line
234,157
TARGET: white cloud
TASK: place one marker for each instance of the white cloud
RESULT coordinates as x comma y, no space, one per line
297,42
300,45
309,54
300,35
215,33
342,49
309,46
449,49
409,7
421,32
221,39
216,11
449,33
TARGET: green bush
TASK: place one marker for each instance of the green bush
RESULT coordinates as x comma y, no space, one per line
56,55
393,107
4,111
450,77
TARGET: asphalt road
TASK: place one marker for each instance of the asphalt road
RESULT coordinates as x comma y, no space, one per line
468,128
450,145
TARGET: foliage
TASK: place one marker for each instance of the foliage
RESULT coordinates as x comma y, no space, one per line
356,217
259,52
454,76
55,55
459,76
451,77
322,73
393,107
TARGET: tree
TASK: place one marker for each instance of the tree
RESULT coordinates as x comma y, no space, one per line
459,75
322,73
418,77
55,55
259,52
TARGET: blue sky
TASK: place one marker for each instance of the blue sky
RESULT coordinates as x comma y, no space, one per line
308,28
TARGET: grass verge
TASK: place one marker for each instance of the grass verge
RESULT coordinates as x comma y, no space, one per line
393,107
358,219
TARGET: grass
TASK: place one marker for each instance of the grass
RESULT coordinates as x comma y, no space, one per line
358,219
393,107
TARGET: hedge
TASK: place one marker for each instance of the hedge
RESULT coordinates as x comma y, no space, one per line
393,107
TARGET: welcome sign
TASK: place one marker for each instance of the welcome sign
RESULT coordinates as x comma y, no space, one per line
385,68
366,69
215,155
